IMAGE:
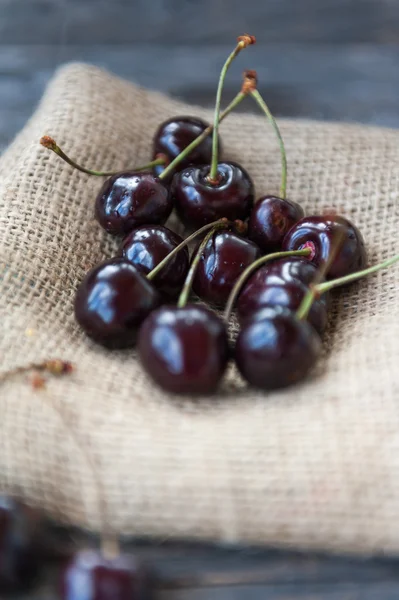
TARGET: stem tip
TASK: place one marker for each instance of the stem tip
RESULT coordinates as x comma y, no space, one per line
48,142
246,40
58,367
162,159
250,81
240,227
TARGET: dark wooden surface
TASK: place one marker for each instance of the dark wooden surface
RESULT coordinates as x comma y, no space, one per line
200,572
329,59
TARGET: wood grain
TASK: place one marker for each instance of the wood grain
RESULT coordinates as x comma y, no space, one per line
201,572
356,83
173,22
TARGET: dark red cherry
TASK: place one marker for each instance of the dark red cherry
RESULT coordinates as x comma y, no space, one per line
286,269
223,259
90,576
184,350
257,294
199,202
130,199
321,234
19,560
274,349
271,218
112,301
174,135
146,246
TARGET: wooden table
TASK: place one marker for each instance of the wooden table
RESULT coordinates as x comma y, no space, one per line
324,59
201,572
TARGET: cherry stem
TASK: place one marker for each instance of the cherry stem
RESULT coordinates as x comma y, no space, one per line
83,447
51,144
110,547
183,298
55,366
313,292
262,104
243,42
198,140
329,285
254,267
156,270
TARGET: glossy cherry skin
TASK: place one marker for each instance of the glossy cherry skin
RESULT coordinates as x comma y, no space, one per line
258,293
282,270
223,259
184,350
274,349
271,218
174,135
199,202
112,301
90,576
19,559
130,199
320,234
146,246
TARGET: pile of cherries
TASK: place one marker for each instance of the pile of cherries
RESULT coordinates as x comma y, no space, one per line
266,254
185,348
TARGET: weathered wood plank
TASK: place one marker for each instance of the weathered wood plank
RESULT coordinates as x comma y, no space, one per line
191,572
387,591
209,21
357,83
201,571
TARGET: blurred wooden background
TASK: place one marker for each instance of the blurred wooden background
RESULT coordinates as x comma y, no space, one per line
324,59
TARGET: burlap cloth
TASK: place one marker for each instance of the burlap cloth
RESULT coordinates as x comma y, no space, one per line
316,466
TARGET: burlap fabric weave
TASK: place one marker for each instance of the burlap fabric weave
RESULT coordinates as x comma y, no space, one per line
316,466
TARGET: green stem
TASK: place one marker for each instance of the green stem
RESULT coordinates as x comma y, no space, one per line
212,177
254,267
329,285
307,302
312,293
49,143
235,102
262,104
182,245
110,547
194,264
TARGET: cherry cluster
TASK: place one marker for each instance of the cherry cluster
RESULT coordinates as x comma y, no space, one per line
266,256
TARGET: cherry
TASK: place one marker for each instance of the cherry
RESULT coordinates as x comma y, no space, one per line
174,135
271,218
206,193
274,349
198,201
91,576
19,560
223,259
146,246
129,199
184,350
286,269
258,293
319,233
112,301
